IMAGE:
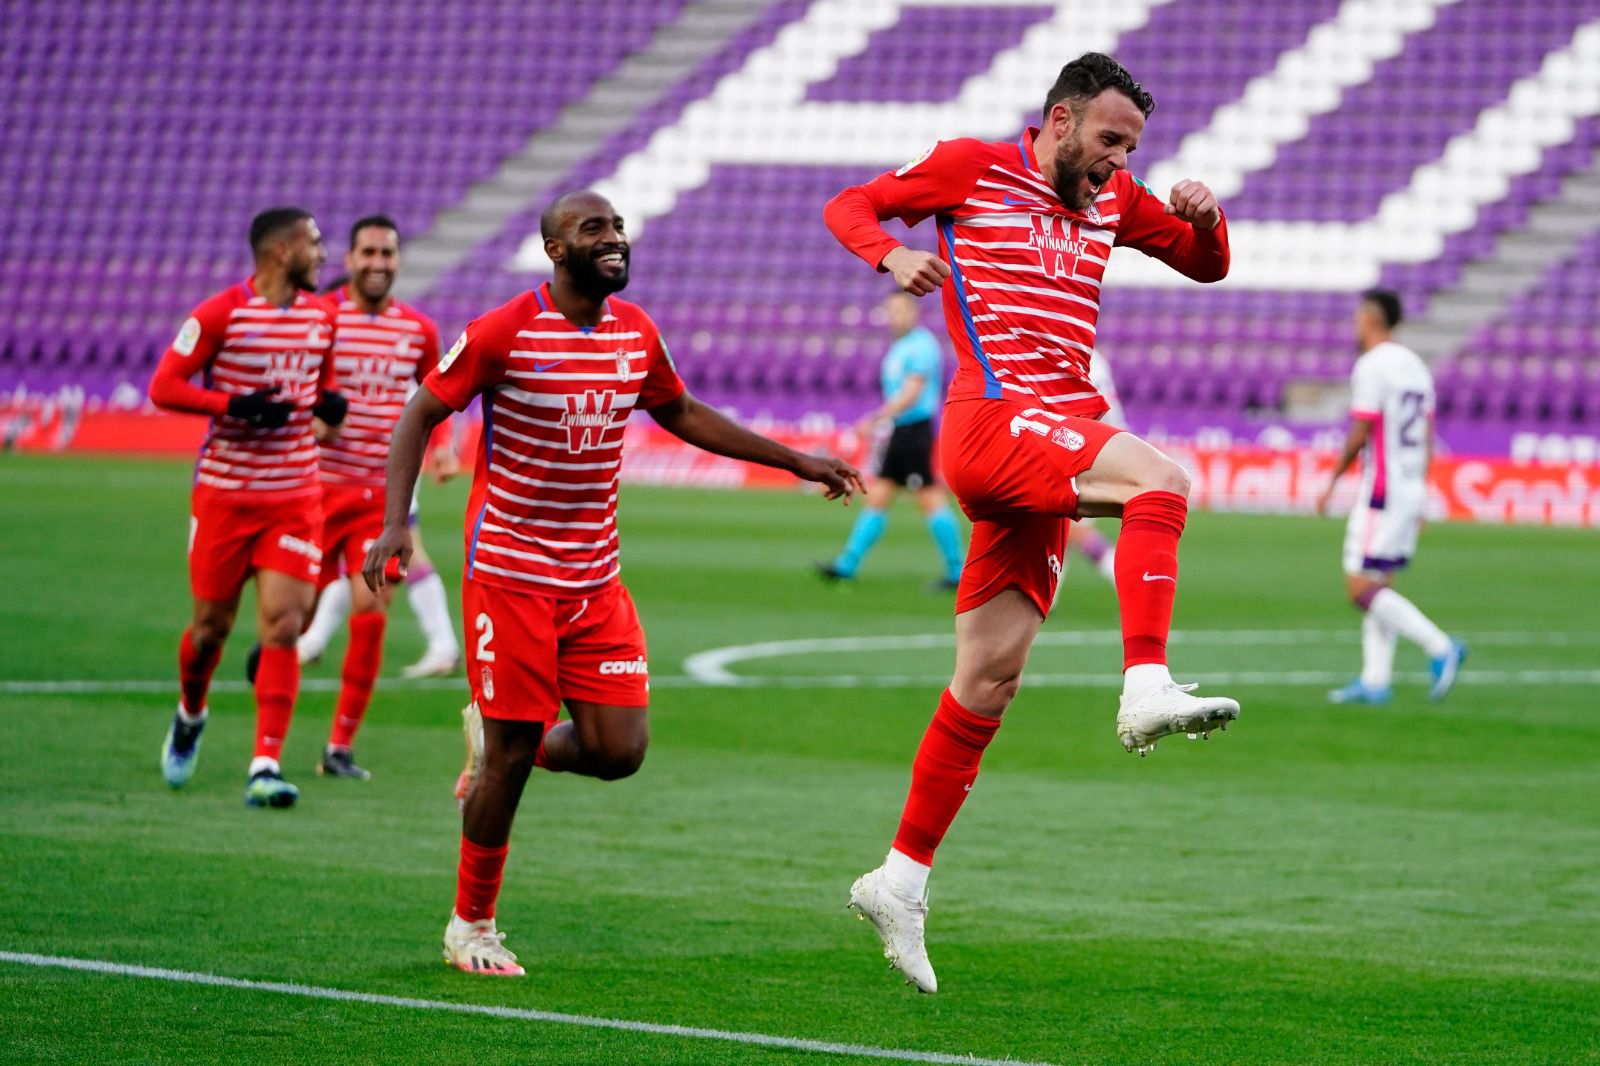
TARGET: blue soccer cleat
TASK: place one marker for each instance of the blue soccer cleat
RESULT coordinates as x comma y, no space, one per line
1445,669
180,751
269,789
1358,692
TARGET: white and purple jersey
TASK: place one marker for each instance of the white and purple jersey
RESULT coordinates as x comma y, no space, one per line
1393,389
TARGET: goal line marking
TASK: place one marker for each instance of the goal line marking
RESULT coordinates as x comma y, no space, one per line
523,1014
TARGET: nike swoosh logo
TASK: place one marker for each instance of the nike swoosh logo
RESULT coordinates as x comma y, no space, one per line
1014,202
540,368
1148,576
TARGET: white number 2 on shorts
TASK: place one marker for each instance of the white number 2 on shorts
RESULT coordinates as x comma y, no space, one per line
485,634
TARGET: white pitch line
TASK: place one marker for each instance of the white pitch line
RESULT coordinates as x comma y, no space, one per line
99,687
711,667
284,988
1288,678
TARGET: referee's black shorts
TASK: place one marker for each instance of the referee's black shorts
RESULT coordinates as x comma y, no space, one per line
908,457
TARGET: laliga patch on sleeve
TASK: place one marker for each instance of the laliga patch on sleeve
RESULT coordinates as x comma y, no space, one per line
915,163
188,336
455,350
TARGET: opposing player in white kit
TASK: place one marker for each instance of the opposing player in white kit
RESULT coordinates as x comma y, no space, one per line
1391,412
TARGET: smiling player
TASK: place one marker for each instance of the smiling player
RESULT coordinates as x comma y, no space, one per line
559,369
264,347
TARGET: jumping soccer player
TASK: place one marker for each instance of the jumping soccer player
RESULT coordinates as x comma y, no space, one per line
912,378
265,348
1025,229
382,350
1391,421
560,370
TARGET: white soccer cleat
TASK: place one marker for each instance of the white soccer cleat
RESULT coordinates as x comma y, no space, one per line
899,922
475,947
434,663
1168,708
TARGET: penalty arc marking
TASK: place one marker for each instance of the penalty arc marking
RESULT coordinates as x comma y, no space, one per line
713,666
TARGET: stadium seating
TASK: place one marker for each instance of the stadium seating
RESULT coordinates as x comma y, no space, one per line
133,178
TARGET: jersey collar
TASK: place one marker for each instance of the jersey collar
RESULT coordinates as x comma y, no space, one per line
548,303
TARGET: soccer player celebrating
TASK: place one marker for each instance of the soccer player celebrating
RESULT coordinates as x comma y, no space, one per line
560,370
1391,421
911,377
1025,229
382,349
264,347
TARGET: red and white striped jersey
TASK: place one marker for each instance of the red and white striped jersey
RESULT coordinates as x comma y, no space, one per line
542,516
1023,299
379,359
242,343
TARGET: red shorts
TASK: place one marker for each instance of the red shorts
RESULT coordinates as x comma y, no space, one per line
527,652
1011,466
352,518
234,534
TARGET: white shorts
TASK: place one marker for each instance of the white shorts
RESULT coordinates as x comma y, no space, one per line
1381,540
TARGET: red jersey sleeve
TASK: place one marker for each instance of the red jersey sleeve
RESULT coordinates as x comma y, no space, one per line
328,378
475,362
661,381
199,339
936,182
1201,254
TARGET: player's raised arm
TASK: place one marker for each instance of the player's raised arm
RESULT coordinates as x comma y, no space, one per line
704,427
423,412
935,182
1187,231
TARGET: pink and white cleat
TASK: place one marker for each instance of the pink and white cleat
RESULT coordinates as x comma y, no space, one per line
475,947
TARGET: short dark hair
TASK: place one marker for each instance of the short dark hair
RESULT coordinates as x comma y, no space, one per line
273,221
1387,301
383,221
1087,77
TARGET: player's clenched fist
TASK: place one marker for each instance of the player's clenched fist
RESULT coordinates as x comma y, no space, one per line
1195,204
918,273
393,543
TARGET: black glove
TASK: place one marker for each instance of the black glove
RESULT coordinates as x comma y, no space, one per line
331,408
260,409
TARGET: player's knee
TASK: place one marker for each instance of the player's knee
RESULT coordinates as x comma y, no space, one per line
991,696
621,760
209,634
1168,476
281,629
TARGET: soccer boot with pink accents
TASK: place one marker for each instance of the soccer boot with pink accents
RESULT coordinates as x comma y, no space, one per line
1167,708
475,947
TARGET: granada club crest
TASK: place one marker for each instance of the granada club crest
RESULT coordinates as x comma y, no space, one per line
624,365
1070,439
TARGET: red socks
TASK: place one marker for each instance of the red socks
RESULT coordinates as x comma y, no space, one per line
194,674
277,682
941,776
1147,573
478,879
361,661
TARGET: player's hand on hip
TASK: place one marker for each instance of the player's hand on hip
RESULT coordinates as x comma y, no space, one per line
838,477
392,543
1194,203
918,273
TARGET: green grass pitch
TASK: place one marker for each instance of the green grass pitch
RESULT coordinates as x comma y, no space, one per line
1414,883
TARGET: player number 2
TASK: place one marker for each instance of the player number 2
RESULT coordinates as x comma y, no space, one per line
485,634
1410,415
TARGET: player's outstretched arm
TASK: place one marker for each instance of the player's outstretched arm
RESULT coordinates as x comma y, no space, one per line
704,427
410,440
